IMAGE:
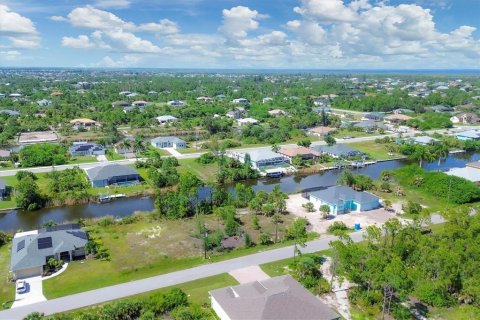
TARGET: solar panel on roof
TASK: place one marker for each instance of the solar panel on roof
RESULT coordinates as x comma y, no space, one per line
78,234
63,227
44,243
20,245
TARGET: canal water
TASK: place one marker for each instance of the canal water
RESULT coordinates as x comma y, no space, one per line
19,219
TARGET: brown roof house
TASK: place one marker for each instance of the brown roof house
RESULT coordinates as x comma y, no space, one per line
321,131
305,153
279,298
397,118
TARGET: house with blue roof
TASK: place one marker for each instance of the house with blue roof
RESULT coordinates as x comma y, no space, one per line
343,199
473,134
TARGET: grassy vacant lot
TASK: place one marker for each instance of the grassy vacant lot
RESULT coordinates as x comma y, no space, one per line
82,159
150,247
7,289
340,133
206,172
376,151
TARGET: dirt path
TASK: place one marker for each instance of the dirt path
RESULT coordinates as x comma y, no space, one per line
338,298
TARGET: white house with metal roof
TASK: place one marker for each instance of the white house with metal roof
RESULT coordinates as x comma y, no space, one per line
31,250
261,158
168,142
166,119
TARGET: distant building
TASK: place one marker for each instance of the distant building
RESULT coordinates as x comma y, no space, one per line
44,102
204,99
168,142
86,149
246,121
120,103
375,116
303,152
441,109
139,103
267,100
465,118
260,159
402,111
10,113
112,174
397,118
276,113
278,298
236,114
166,119
240,101
473,134
31,250
321,131
83,123
342,199
176,103
423,140
338,151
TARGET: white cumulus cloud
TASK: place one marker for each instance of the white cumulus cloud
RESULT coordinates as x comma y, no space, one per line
19,30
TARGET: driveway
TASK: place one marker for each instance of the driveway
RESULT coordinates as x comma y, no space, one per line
373,217
173,152
101,158
34,293
249,274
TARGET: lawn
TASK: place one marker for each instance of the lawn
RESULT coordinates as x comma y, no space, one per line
7,289
339,134
151,247
207,172
112,155
376,151
82,159
463,312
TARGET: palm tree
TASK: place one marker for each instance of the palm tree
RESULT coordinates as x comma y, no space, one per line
441,151
125,145
138,146
276,219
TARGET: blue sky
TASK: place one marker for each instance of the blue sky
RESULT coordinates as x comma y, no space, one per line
313,34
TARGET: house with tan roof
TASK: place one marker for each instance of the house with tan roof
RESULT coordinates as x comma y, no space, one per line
397,118
321,131
83,123
305,153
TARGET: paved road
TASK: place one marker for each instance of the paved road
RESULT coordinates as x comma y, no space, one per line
123,290
12,172
88,298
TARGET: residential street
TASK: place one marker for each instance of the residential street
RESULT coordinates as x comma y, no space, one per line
97,296
12,172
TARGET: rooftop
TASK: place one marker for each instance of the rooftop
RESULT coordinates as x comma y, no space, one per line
108,171
294,151
30,249
339,194
39,136
278,298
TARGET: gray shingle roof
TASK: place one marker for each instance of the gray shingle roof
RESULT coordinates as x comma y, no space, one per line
337,195
337,149
278,298
108,171
259,155
26,254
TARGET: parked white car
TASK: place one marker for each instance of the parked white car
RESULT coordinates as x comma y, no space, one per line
21,286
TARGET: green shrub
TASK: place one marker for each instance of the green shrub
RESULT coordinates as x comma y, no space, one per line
337,228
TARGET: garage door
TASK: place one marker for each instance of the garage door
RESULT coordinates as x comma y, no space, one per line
26,273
